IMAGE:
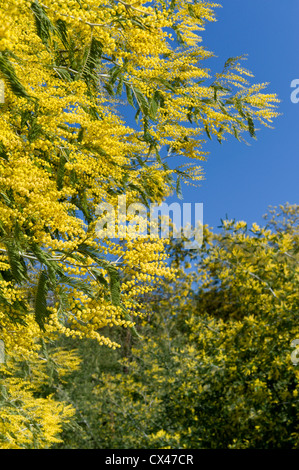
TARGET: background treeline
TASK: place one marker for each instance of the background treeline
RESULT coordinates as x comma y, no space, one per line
213,368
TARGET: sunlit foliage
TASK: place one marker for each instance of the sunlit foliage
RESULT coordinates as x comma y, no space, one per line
68,68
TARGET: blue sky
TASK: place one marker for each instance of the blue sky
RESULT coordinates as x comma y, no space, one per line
242,181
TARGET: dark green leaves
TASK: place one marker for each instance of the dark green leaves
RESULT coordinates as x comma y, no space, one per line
179,188
91,62
3,153
120,85
129,95
239,107
251,127
80,135
44,26
41,311
98,273
44,258
16,262
148,107
156,101
114,284
8,72
61,29
208,131
79,284
81,201
140,100
232,61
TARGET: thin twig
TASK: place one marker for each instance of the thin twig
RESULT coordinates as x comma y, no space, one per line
261,280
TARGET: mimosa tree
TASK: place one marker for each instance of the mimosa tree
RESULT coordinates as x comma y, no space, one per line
68,67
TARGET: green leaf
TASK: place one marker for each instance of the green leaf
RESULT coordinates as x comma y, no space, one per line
223,108
219,136
158,156
251,127
8,72
208,131
166,83
114,284
89,251
114,73
142,193
7,200
16,262
137,115
231,61
238,104
91,62
236,133
41,311
82,203
35,130
44,27
79,284
63,73
172,5
120,86
44,258
141,100
179,188
61,29
179,37
63,300
189,114
100,277
80,134
3,153
191,11
129,95
154,105
139,24
109,89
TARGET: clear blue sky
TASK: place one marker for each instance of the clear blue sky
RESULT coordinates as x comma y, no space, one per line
242,181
